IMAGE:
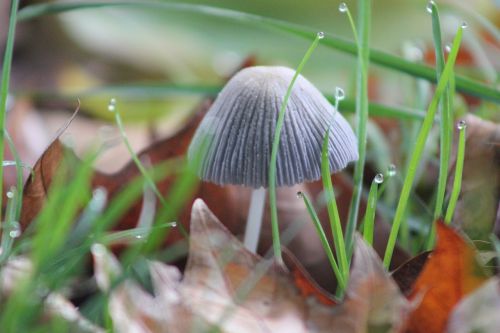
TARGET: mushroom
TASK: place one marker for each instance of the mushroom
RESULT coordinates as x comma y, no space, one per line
234,140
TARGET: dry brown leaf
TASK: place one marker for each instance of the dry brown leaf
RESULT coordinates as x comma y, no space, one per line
226,286
373,301
36,187
451,272
479,311
406,274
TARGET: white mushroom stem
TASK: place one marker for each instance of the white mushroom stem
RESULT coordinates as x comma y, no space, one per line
254,220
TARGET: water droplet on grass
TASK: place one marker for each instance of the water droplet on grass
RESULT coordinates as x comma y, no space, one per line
447,48
391,170
112,105
320,35
15,230
10,194
379,178
461,125
300,195
464,25
339,94
343,7
429,6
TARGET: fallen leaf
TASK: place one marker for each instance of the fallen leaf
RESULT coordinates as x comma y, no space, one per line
55,306
451,272
39,181
479,311
373,300
228,287
406,274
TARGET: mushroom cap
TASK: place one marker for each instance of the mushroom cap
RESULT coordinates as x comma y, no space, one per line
234,140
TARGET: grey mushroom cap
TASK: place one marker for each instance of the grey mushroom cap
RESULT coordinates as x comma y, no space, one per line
233,142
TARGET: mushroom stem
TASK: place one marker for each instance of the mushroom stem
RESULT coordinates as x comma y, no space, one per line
254,220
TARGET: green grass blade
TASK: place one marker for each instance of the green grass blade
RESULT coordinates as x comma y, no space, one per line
4,89
138,91
135,158
274,151
64,200
459,167
19,174
364,22
445,123
371,208
333,212
419,147
10,228
324,240
464,84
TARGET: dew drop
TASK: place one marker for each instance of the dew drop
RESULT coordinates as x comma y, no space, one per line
300,195
320,35
379,178
464,25
462,125
173,224
447,48
339,94
10,194
391,170
430,4
112,105
139,236
343,7
15,230
98,250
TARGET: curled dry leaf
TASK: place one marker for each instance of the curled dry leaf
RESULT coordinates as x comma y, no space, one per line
451,272
228,287
55,305
479,311
406,274
373,301
44,170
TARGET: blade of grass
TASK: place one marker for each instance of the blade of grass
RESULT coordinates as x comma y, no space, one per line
459,167
371,207
419,147
10,227
182,190
364,22
153,240
64,199
333,212
164,90
324,241
464,84
19,174
4,89
274,151
135,158
445,123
